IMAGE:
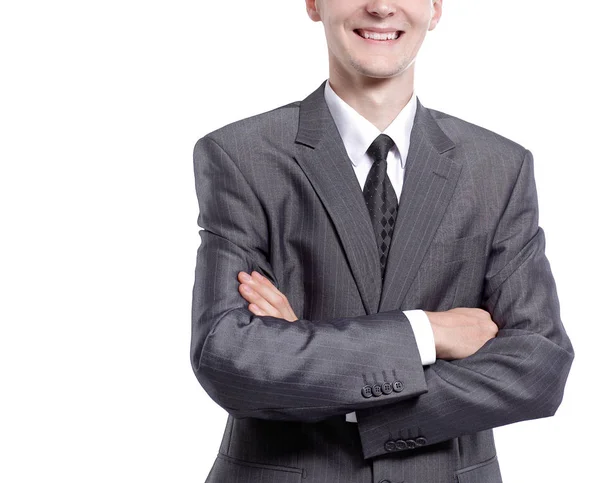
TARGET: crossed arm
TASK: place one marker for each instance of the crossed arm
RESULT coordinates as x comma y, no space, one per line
458,332
256,364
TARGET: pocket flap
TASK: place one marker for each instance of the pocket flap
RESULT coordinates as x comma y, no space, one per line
485,472
231,469
459,249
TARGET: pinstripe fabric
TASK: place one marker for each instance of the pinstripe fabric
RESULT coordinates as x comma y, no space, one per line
277,194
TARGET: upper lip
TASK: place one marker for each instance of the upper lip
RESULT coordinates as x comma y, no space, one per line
379,30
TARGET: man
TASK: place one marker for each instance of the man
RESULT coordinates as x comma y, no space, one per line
372,295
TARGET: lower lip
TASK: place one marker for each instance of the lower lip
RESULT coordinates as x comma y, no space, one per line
380,42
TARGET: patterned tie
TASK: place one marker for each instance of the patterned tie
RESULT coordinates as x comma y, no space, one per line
380,197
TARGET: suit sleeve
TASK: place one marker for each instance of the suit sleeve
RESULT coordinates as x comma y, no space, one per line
266,367
518,375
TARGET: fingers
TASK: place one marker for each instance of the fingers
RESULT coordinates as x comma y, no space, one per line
256,310
261,292
266,282
258,294
264,297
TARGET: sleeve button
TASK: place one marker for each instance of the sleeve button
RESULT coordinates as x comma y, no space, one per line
367,391
398,386
410,443
401,444
377,390
390,446
386,388
421,441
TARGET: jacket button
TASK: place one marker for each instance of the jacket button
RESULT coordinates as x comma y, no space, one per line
390,446
421,441
366,391
386,388
411,443
377,390
400,444
398,386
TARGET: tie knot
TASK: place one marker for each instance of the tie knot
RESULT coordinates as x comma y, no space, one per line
380,148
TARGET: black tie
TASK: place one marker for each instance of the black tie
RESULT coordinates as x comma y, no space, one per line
380,197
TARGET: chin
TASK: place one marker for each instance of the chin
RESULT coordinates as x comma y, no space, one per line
382,71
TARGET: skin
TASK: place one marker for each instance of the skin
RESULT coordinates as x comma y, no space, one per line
377,80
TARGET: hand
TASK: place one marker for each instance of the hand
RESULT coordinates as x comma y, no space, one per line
460,332
264,297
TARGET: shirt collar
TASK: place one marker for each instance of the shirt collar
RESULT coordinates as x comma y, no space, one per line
358,133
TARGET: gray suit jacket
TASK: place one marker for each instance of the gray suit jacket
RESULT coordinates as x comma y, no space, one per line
277,194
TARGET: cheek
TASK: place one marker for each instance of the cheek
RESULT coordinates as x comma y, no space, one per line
422,18
418,13
337,37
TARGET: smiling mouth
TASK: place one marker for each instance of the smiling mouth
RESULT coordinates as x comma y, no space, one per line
378,36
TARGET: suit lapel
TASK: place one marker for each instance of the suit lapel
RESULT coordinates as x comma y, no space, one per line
321,154
429,182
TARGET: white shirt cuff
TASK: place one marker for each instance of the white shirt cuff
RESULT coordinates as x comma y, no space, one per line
351,418
423,335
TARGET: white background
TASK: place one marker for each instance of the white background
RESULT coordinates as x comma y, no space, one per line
101,104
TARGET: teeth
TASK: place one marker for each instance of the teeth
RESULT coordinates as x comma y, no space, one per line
378,36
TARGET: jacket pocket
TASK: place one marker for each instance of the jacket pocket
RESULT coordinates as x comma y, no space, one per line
469,247
232,470
487,471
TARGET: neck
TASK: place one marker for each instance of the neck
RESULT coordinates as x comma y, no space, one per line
379,100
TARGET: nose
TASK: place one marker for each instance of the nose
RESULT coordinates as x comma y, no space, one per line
381,8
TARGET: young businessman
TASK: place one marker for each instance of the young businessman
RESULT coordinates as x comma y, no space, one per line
372,295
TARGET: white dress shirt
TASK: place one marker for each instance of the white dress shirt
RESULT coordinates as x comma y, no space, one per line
358,134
